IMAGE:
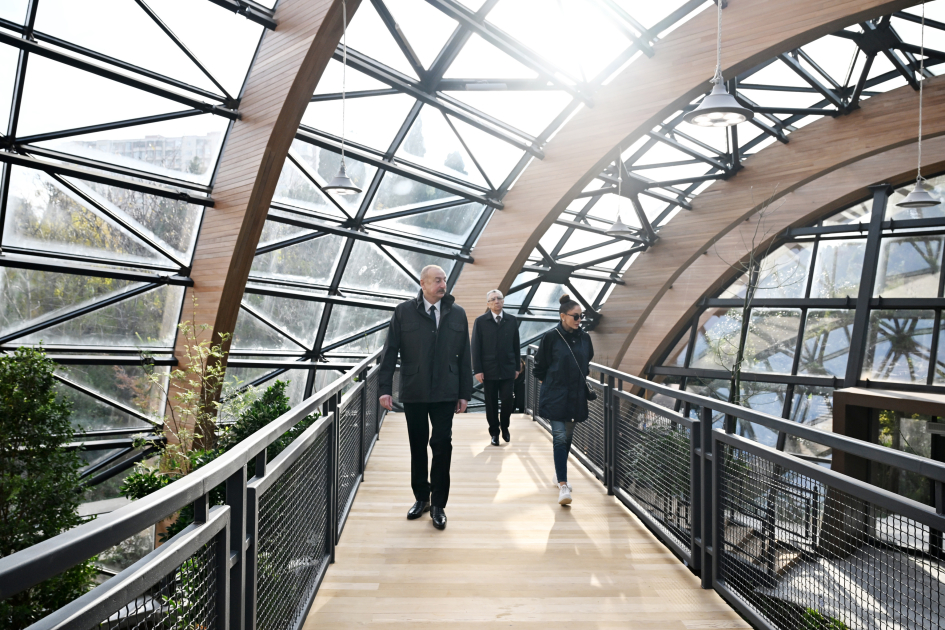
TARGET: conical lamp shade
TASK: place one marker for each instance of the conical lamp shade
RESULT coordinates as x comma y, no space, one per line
619,228
718,109
341,184
919,198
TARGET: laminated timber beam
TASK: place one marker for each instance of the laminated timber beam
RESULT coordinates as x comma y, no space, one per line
643,95
827,165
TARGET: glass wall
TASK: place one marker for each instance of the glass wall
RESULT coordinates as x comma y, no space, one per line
792,319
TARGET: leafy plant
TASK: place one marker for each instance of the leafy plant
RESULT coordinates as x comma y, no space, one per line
39,479
814,620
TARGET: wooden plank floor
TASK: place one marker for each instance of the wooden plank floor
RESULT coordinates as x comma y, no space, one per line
510,555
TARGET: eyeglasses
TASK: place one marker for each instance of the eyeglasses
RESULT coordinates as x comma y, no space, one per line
496,299
577,317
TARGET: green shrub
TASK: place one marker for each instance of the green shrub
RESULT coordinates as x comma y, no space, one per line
814,620
39,481
263,410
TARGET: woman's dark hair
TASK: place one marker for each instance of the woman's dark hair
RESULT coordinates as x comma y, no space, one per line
566,303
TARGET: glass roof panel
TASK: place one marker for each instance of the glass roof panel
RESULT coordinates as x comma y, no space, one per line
324,165
495,157
397,191
531,112
425,28
13,10
347,321
481,60
127,384
432,143
94,100
275,232
30,297
119,29
370,268
43,214
367,34
311,261
223,41
331,81
299,318
89,414
252,334
186,148
296,189
8,61
362,122
146,319
449,224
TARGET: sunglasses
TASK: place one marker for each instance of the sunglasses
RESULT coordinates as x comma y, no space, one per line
577,317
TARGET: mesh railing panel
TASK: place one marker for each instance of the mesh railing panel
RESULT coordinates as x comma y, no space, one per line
654,467
348,465
805,555
370,412
532,386
184,599
293,536
589,435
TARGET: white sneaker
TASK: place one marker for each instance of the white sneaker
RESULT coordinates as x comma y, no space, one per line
564,494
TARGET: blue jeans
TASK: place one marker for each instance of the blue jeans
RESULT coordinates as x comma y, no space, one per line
562,434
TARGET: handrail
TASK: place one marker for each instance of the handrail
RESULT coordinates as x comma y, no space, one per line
899,459
44,560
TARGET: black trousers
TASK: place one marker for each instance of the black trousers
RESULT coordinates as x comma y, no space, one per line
420,417
496,391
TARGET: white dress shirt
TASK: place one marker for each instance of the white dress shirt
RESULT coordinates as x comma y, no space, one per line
436,311
498,317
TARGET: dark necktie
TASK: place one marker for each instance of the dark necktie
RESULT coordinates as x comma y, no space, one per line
498,320
433,314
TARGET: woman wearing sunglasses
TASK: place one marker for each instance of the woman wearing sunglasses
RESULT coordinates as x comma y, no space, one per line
562,364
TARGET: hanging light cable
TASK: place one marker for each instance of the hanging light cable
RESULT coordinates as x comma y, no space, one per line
341,184
718,108
619,228
920,197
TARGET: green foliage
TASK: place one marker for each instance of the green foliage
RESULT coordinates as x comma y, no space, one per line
814,620
653,463
38,481
260,412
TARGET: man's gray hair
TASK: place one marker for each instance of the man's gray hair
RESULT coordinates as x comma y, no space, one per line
494,292
426,270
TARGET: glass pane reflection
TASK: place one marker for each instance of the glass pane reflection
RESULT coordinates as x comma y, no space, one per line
898,346
826,345
909,267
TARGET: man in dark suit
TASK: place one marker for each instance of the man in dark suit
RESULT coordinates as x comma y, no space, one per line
431,335
495,356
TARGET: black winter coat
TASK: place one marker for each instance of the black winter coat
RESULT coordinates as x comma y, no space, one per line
562,395
434,362
495,347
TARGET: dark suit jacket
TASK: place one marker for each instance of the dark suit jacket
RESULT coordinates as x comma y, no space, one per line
434,362
495,347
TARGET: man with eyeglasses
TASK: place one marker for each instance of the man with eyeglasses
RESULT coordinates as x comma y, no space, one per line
495,357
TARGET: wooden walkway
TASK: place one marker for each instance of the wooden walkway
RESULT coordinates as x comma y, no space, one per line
510,555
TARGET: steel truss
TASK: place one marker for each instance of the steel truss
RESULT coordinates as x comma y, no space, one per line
839,96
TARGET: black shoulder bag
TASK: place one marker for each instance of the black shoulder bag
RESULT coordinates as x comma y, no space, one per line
589,392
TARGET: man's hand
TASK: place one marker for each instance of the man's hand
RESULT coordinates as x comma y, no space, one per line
461,405
517,373
480,377
387,402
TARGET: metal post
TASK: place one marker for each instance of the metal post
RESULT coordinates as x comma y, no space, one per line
867,279
611,404
707,490
336,470
362,420
252,547
236,499
695,494
331,490
223,574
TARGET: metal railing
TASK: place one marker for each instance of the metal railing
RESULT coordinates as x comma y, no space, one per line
254,562
789,544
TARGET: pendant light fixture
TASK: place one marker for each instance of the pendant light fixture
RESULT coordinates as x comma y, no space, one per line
619,228
341,184
920,197
719,108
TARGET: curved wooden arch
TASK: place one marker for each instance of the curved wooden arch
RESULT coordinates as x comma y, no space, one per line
821,148
646,93
822,197
288,65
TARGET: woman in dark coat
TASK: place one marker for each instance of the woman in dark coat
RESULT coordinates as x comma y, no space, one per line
562,365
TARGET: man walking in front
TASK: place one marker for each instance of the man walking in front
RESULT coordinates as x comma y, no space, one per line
495,356
431,335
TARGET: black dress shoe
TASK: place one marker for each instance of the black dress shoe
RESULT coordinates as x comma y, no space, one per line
506,436
439,517
417,510
495,440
